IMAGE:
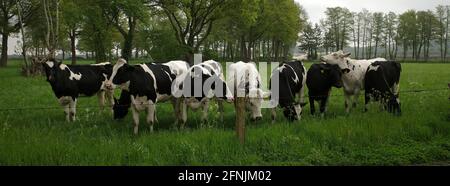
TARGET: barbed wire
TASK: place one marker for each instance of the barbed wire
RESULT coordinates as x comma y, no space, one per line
108,106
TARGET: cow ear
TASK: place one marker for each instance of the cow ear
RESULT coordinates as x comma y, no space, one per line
348,54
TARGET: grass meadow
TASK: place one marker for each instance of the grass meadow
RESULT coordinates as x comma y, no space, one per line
421,136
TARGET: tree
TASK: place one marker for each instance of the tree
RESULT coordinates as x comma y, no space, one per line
356,30
340,20
310,40
9,23
328,37
96,32
20,5
52,15
71,19
192,21
391,24
407,30
124,15
378,24
442,15
426,32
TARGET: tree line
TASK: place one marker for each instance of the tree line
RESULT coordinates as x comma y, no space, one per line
158,30
228,30
409,35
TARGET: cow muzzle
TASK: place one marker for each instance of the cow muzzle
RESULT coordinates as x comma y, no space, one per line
258,118
109,85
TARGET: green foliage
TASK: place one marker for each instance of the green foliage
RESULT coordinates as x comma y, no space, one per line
311,40
164,46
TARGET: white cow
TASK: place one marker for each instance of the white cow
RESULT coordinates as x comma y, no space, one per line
245,80
353,75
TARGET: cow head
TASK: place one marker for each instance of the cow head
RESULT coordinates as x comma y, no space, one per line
122,105
393,105
121,74
51,70
333,74
254,102
337,58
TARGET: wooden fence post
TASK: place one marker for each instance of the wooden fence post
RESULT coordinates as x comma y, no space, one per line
240,118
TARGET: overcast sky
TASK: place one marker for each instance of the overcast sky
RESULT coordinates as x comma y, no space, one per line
316,8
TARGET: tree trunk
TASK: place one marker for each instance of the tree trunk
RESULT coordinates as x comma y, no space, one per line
127,47
4,56
405,50
73,48
446,34
128,39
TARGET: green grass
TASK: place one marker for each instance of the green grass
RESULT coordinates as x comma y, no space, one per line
421,136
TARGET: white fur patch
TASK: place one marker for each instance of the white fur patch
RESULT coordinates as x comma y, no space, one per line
373,68
146,69
295,79
140,103
168,75
73,76
101,64
50,64
116,67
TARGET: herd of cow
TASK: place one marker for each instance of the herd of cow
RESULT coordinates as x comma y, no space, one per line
194,87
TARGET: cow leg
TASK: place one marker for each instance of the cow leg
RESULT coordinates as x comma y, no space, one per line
176,110
311,105
109,94
65,103
366,101
151,117
183,112
383,104
221,110
302,95
67,112
73,109
204,113
323,106
347,102
355,98
101,100
274,114
135,119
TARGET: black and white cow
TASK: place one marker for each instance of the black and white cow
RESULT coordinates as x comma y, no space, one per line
146,85
353,74
245,81
382,84
200,84
177,68
291,82
320,79
70,81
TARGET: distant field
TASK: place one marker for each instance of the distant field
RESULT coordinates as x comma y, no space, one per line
421,136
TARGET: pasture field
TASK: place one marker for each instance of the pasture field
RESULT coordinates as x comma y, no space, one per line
421,136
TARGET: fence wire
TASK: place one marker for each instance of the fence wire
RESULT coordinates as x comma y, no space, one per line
107,106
